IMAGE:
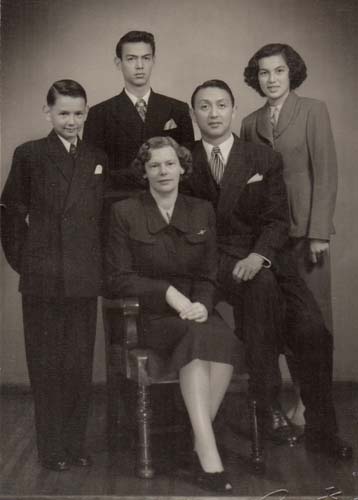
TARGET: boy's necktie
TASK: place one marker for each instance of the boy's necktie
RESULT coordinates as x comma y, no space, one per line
73,151
141,107
216,164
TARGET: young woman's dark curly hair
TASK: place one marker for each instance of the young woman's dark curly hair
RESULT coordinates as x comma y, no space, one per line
144,155
296,65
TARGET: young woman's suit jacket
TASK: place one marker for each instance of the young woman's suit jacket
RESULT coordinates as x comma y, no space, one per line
304,138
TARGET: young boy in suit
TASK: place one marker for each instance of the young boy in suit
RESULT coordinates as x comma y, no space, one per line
122,123
51,235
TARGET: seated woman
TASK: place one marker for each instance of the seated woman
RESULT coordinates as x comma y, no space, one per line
162,249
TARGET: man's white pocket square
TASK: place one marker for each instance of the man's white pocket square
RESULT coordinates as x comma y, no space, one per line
255,178
170,125
98,170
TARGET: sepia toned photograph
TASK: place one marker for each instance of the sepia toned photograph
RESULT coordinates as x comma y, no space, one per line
179,259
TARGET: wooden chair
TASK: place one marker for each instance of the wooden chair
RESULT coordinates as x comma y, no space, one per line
127,360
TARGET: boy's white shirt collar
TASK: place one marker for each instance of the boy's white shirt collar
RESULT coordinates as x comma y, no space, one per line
134,98
66,143
225,148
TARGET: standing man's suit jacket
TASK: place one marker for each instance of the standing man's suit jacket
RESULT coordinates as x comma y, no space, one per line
304,138
251,203
116,127
52,224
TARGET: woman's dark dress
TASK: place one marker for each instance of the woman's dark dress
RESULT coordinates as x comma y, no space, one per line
146,254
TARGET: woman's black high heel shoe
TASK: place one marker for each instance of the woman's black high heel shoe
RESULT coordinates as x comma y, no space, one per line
212,481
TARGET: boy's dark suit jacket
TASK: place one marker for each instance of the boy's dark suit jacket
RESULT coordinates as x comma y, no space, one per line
116,127
51,226
252,216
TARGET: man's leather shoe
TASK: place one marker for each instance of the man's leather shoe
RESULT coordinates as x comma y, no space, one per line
85,461
278,428
58,466
330,444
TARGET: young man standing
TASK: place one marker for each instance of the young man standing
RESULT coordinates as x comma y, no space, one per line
272,305
122,123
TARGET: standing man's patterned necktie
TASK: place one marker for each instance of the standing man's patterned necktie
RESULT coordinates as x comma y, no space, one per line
217,164
274,113
141,107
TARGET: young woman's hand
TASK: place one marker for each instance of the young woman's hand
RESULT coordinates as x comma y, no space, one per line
317,250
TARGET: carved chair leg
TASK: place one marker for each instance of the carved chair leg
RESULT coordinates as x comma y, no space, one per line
144,467
256,426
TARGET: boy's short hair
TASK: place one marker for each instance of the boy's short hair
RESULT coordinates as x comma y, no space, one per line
135,37
213,84
70,88
296,65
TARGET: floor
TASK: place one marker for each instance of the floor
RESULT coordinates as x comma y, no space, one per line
298,472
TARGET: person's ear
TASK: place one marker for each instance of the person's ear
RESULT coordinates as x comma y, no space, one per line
144,176
86,112
234,110
46,110
118,63
192,115
182,171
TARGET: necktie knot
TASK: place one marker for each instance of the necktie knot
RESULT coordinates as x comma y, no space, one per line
217,164
141,107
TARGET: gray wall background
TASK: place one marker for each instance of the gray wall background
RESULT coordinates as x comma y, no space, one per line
45,40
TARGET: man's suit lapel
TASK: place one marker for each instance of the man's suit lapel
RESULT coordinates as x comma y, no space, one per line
157,114
81,175
127,116
238,171
205,184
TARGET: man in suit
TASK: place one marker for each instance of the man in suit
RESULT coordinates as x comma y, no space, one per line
52,236
122,123
272,305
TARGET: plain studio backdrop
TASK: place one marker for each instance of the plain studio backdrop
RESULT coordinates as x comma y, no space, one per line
47,40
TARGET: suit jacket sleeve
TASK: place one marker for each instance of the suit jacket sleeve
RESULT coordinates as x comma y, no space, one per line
15,201
122,277
324,172
94,129
203,289
274,213
185,127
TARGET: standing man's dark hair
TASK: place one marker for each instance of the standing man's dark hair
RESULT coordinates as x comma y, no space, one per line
122,123
135,37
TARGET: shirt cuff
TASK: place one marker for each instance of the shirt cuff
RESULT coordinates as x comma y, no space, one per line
267,263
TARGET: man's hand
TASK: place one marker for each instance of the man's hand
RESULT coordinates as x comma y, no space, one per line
317,250
195,312
246,269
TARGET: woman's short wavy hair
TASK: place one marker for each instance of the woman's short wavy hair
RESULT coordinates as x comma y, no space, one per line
144,155
296,65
